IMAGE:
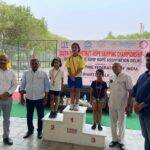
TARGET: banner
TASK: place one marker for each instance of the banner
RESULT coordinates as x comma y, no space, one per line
102,54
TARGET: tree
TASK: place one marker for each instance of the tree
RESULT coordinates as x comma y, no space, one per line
110,36
134,36
17,23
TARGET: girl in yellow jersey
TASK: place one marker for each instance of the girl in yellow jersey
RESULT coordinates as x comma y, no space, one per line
75,64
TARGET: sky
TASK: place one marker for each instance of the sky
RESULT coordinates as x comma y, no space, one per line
90,19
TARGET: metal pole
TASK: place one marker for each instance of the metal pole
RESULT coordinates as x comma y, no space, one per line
141,30
18,70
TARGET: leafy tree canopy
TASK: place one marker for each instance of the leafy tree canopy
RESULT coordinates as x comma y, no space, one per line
134,36
17,23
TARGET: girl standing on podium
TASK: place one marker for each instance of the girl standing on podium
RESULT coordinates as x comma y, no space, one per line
56,84
75,64
98,96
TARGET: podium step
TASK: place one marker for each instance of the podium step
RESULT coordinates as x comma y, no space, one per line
81,110
97,138
59,117
87,130
70,127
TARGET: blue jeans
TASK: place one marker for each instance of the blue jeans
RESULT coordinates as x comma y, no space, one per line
145,127
31,104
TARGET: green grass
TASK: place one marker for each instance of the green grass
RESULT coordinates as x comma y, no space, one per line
132,122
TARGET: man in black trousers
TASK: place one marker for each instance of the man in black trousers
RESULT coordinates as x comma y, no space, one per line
35,84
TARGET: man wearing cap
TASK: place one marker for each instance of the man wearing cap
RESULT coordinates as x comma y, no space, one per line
35,84
8,85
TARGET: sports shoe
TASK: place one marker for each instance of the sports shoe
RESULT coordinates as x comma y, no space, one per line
51,114
76,107
100,127
71,106
113,143
55,114
93,126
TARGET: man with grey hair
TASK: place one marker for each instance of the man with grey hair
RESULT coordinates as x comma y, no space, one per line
119,103
8,85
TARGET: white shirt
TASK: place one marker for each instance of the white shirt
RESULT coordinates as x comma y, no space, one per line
119,88
56,77
35,84
8,82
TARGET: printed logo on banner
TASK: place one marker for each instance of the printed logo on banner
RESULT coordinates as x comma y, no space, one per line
128,44
88,44
64,44
143,44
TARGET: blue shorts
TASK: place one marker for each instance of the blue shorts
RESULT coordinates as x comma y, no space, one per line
55,93
76,83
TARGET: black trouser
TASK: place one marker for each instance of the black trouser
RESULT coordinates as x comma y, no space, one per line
38,104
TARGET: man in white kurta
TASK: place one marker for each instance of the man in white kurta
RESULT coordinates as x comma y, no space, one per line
119,103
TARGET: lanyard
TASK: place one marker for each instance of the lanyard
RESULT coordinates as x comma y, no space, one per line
54,77
98,92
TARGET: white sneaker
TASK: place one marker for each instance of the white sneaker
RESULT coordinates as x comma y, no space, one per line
71,106
76,107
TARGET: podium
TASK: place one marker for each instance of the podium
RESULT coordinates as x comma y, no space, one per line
70,127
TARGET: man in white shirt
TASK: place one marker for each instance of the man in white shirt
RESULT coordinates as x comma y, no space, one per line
8,85
119,103
35,84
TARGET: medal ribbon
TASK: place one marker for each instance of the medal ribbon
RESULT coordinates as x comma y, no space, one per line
54,77
98,92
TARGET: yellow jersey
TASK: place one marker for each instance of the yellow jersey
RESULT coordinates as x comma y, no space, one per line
74,63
